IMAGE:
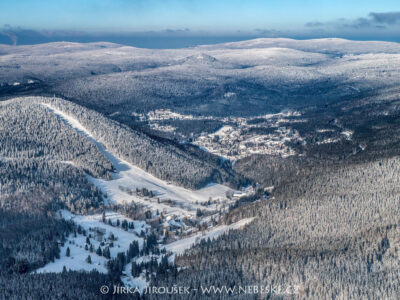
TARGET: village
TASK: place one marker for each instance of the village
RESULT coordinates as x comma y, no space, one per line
238,137
234,143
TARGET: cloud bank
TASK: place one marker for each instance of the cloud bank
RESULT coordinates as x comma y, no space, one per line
373,20
386,18
374,26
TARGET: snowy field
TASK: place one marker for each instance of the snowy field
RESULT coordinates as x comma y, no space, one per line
77,259
93,224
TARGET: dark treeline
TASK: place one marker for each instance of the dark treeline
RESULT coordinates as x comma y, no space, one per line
52,286
39,153
28,241
43,167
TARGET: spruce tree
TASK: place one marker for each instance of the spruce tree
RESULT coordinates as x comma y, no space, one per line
106,253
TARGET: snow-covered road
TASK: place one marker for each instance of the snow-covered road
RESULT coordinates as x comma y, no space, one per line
181,245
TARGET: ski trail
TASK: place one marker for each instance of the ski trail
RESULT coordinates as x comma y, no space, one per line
132,177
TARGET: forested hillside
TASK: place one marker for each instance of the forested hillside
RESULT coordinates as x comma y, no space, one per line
47,164
28,131
43,167
39,152
160,158
334,234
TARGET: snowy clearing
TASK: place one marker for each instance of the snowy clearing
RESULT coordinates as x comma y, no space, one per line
77,259
100,232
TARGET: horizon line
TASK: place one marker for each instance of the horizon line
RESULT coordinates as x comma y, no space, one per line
199,45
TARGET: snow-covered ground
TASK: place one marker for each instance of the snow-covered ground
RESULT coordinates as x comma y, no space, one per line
131,177
348,134
77,259
93,224
122,189
134,177
179,247
134,282
91,221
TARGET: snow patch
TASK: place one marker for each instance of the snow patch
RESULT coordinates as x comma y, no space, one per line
134,282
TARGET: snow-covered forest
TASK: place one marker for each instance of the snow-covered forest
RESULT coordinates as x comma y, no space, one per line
262,162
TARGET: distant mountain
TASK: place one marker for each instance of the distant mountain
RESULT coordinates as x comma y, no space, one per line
267,75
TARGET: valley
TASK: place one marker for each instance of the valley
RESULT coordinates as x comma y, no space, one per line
263,162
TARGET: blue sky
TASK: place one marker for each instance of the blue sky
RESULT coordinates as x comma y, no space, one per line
358,19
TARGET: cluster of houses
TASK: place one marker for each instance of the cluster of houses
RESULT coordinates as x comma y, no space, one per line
174,225
235,143
237,138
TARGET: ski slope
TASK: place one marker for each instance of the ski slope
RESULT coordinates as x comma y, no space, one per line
131,177
128,176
